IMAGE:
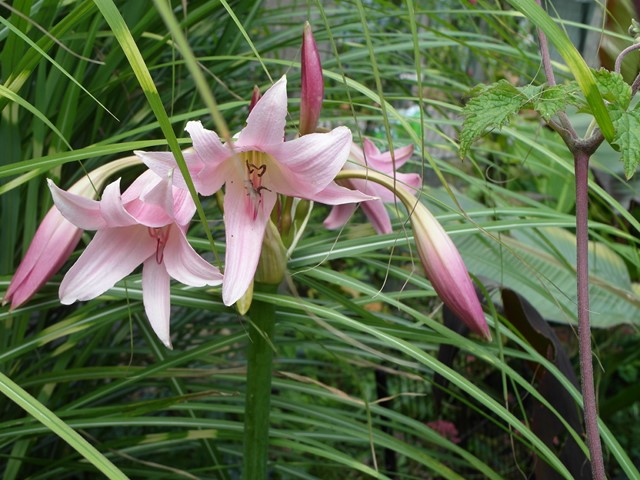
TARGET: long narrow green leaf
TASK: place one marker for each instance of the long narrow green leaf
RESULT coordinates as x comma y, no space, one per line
51,421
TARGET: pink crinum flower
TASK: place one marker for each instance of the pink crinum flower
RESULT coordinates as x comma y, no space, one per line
55,239
256,166
144,225
383,163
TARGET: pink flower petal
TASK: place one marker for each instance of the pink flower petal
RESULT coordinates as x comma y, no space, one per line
162,163
112,255
309,163
111,207
185,265
81,211
266,122
183,206
339,216
383,162
245,226
154,207
378,216
334,194
156,296
213,155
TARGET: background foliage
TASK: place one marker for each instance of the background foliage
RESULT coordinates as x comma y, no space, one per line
368,380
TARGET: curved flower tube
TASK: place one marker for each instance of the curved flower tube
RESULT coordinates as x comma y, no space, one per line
144,225
375,210
56,238
440,258
255,167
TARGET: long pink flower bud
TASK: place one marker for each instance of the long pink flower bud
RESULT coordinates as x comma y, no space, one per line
312,91
446,270
55,239
439,256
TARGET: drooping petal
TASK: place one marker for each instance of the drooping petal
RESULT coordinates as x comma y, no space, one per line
308,164
383,161
266,122
378,216
52,244
334,194
112,255
156,296
339,216
185,265
245,224
81,211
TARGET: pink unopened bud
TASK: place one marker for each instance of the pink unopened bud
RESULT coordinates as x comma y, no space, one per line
446,270
254,97
55,239
440,257
312,91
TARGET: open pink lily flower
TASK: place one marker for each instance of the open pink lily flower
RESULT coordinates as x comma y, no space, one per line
144,225
56,238
375,210
255,167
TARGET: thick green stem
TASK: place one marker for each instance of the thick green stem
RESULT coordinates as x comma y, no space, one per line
258,395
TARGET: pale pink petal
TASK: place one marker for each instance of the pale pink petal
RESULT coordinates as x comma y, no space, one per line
213,176
162,163
383,161
143,182
339,216
309,163
185,265
112,255
334,194
156,296
154,207
245,224
83,212
378,216
111,207
183,206
52,244
207,144
266,122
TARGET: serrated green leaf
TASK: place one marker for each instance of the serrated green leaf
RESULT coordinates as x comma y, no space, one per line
613,88
555,98
583,75
494,107
625,140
